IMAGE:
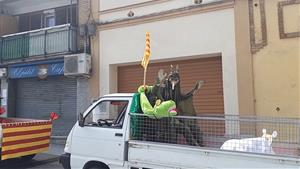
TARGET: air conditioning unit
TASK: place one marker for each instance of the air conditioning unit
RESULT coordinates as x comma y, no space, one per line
3,72
77,64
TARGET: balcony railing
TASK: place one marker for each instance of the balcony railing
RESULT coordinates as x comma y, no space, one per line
42,42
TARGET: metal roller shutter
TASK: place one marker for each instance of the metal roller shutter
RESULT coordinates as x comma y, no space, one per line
209,100
37,98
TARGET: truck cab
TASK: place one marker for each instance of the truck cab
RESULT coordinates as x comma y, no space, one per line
100,136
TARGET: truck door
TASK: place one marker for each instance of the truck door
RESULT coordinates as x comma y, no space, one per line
102,137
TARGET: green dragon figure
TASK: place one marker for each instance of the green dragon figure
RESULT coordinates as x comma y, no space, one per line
160,109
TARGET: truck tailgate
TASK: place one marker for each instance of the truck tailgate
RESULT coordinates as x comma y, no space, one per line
21,138
179,156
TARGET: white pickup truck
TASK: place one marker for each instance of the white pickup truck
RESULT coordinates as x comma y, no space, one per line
108,136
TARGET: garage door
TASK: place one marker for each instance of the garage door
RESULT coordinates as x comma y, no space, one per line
37,98
209,100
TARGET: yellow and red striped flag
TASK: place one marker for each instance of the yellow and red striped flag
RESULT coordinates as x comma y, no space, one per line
25,138
146,57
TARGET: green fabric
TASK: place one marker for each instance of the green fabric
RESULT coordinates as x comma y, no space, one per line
135,105
160,109
135,120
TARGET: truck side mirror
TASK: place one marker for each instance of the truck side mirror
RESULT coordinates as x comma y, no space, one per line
80,120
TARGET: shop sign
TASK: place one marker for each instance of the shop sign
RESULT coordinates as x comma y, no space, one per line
38,70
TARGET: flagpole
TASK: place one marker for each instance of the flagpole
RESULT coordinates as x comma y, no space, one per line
145,72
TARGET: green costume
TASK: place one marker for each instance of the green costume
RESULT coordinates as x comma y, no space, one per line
160,109
135,119
141,105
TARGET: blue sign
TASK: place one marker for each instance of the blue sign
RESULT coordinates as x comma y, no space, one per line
56,69
23,72
38,69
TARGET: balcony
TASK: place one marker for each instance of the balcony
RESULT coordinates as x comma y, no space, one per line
42,42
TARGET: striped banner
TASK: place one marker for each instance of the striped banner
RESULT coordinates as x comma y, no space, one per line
146,58
25,138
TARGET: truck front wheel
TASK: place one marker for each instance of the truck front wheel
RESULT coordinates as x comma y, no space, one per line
97,166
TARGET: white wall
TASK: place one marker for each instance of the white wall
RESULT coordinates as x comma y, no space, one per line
114,9
201,34
26,6
113,4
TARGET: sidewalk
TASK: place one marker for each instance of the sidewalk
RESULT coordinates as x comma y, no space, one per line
49,159
55,150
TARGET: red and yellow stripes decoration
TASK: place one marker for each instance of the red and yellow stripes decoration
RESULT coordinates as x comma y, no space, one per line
25,138
146,57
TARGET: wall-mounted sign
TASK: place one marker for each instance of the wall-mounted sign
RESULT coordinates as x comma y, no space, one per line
38,69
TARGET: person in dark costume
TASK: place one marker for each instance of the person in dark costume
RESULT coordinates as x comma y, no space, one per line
169,89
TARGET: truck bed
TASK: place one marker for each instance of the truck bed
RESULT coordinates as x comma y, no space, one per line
197,142
141,153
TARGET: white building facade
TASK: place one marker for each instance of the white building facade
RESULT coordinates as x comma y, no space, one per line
199,37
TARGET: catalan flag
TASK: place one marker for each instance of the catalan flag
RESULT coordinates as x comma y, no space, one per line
146,57
25,138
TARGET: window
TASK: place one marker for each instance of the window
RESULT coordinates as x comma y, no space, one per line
24,23
49,20
61,16
35,21
107,114
72,15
